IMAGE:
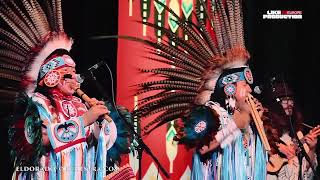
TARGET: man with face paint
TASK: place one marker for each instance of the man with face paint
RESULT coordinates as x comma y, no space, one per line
235,141
205,94
69,128
279,100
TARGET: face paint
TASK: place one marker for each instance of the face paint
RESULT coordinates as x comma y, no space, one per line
65,87
64,82
67,76
67,81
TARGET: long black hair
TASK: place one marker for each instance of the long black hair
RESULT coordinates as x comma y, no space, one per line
278,116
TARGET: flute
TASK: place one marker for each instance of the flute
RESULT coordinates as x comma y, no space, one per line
87,99
258,122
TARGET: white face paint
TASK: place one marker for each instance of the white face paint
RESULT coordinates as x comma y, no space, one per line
65,88
65,85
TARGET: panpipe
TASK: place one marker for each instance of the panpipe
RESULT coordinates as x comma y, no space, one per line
87,99
258,122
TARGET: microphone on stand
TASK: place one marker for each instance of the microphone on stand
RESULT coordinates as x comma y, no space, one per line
141,145
89,73
96,66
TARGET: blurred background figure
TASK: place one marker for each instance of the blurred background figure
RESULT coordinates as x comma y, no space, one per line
284,125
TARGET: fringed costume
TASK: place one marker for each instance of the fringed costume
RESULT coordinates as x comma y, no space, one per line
199,88
47,132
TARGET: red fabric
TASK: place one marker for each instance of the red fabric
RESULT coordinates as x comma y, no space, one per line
130,58
56,150
72,101
124,174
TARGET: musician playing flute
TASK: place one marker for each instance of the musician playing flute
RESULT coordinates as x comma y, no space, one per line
207,92
53,134
233,149
279,100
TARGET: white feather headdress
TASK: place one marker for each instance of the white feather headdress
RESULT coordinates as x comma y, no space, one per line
35,30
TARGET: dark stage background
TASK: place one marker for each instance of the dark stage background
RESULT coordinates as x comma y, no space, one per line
288,47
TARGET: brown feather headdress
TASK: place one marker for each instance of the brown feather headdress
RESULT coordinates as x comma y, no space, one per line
198,61
30,33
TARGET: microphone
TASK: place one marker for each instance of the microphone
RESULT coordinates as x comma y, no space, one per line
258,89
81,77
96,66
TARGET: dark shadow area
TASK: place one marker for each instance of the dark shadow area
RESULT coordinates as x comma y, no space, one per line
288,48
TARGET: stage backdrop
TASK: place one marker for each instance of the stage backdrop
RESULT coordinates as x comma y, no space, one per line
176,159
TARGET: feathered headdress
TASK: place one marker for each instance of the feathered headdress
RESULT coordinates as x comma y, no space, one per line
33,49
199,62
30,32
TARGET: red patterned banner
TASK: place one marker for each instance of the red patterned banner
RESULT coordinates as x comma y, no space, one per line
132,56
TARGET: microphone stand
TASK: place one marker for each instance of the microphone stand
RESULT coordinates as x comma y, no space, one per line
141,145
98,85
302,151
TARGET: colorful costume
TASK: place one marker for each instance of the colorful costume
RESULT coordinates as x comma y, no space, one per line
199,88
47,131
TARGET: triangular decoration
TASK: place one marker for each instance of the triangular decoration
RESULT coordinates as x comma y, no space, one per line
187,174
174,5
152,173
159,18
187,7
158,6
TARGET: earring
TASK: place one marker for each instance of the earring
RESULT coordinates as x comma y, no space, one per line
230,101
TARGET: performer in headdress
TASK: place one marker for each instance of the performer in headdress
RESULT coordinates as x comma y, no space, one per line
207,89
278,98
52,132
